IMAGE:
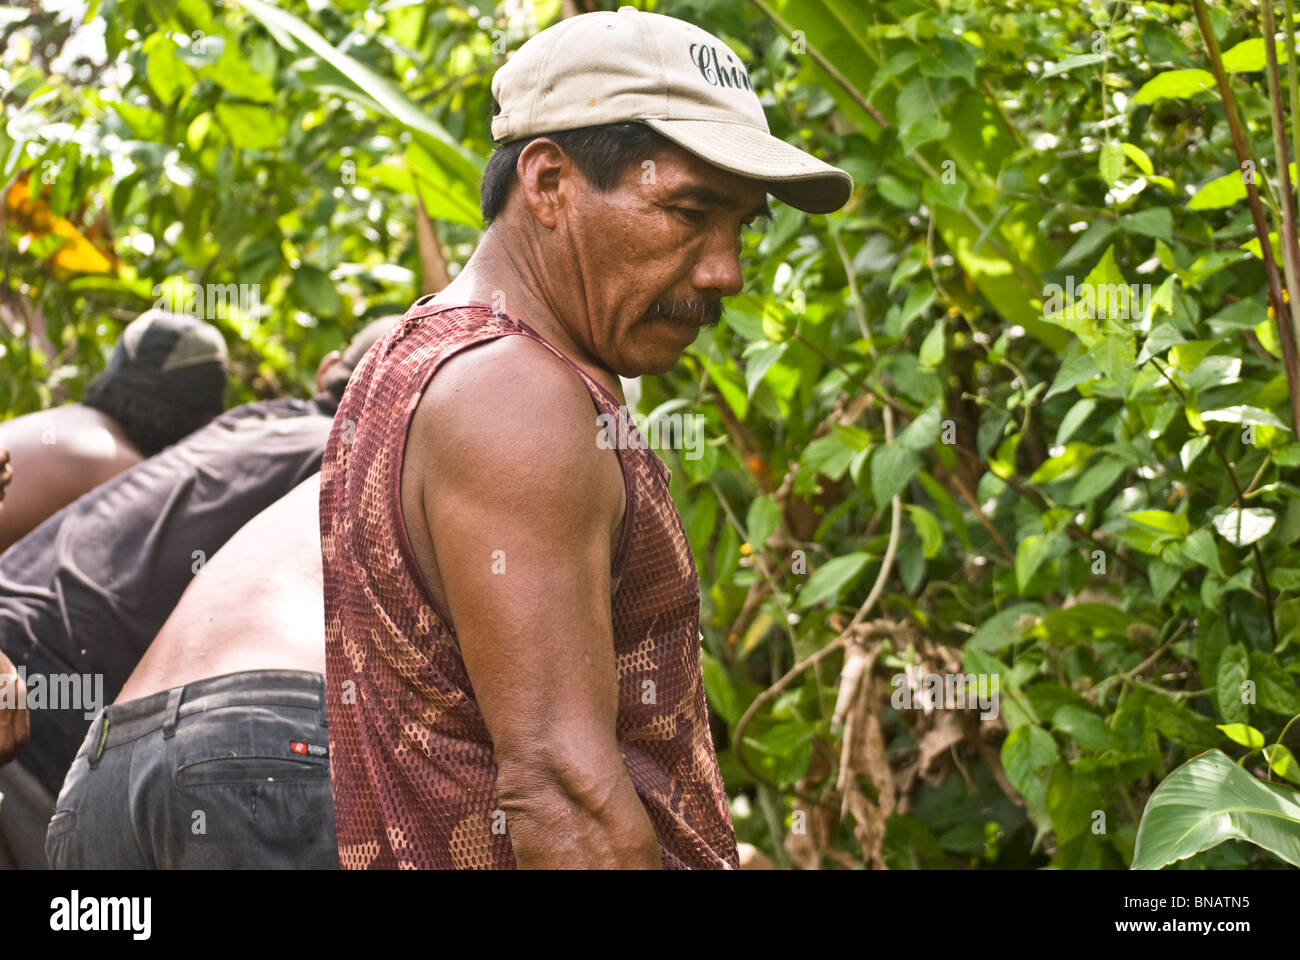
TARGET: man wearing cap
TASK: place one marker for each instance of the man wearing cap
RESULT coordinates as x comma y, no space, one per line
83,595
166,378
511,606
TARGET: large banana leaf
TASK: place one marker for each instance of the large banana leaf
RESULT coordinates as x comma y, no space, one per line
460,168
1208,800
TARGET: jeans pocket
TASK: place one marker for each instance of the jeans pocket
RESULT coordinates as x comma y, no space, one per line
61,823
250,768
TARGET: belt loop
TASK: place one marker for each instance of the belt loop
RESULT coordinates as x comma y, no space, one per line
324,720
173,711
100,736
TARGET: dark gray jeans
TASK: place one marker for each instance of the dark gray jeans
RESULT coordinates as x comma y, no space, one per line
230,772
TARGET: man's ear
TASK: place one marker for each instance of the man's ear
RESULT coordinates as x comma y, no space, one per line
326,362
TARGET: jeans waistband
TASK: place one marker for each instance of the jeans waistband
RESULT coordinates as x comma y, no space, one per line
121,722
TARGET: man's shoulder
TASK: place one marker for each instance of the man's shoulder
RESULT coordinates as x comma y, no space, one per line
510,400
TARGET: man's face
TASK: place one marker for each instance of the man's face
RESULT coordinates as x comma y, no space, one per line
657,254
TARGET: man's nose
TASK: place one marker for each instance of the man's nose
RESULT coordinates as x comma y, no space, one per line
718,273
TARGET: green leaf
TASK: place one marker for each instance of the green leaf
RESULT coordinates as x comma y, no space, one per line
720,690
1175,84
759,361
1030,553
1003,628
832,576
168,74
1209,800
928,527
1282,762
233,74
762,520
918,120
931,353
1211,641
1096,480
1242,733
1156,222
1201,548
1192,449
1219,192
924,430
1067,463
1182,725
1250,55
1077,367
1083,726
892,467
956,59
1164,577
1139,158
896,192
1274,687
462,163
1089,242
1072,62
314,289
828,455
1028,755
1174,524
1160,339
1234,669
918,301
1116,355
1075,419
908,266
1110,162
250,127
1243,526
946,506
1243,414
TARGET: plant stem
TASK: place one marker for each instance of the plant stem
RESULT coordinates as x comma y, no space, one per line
1286,334
1285,200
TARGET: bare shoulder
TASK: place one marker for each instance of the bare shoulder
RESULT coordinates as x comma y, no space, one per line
512,411
93,439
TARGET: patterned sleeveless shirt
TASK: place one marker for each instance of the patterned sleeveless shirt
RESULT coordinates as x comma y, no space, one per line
411,759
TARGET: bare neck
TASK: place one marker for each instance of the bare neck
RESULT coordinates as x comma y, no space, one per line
503,272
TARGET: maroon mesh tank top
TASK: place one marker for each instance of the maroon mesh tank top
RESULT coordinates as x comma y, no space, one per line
411,759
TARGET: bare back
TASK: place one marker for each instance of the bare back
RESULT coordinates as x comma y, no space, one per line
255,605
57,455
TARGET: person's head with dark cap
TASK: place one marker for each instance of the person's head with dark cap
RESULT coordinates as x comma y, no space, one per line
166,378
336,367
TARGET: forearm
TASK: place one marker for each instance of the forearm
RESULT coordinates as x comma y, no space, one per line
563,824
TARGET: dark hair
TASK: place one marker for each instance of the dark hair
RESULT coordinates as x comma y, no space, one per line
602,153
153,416
337,376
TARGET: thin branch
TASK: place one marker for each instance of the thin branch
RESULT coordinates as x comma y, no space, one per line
1286,334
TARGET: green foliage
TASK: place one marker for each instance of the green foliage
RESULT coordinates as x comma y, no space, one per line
1209,800
944,397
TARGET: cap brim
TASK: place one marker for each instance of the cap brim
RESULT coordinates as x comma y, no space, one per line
795,177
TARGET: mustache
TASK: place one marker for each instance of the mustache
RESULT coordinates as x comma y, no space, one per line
706,313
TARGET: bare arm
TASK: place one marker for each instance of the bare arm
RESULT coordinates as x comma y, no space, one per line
506,446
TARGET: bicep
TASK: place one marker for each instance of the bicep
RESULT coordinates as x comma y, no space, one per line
520,510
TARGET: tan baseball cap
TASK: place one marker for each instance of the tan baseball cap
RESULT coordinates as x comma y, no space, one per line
681,81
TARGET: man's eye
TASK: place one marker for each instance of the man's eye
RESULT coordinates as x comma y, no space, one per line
691,215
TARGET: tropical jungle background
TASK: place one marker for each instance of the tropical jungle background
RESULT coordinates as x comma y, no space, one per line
919,462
